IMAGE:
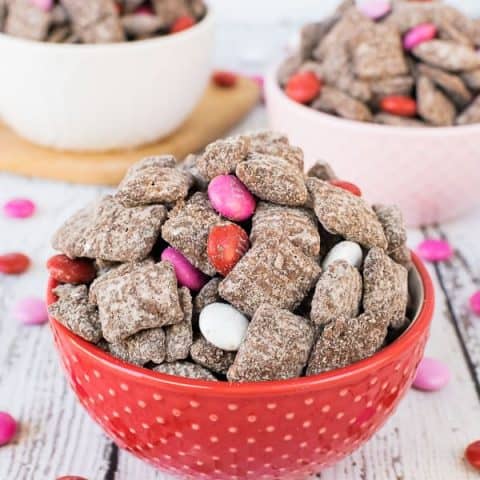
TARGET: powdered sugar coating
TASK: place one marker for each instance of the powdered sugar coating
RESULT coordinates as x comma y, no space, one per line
211,357
338,293
185,369
471,114
276,347
207,295
432,105
322,170
179,337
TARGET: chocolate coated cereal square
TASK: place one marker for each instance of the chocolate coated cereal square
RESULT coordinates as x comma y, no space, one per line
179,337
210,356
185,369
432,105
26,20
143,347
207,295
322,170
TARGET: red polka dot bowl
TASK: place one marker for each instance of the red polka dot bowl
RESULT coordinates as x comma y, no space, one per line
282,429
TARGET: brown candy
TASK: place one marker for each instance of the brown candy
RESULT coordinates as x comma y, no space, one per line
74,312
297,224
345,341
179,337
273,179
146,297
385,288
338,293
433,105
185,369
25,20
273,271
276,347
211,357
345,214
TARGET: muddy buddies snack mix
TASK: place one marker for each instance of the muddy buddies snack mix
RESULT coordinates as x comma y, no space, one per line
258,272
413,64
97,21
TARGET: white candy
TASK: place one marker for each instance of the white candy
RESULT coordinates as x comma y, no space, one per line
351,252
223,326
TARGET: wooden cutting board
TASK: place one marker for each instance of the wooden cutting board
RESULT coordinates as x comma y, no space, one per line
218,111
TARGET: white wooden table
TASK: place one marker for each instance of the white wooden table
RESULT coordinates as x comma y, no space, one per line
424,440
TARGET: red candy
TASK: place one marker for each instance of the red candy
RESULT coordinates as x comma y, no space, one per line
225,79
303,87
182,23
399,105
350,187
14,263
472,454
226,245
66,270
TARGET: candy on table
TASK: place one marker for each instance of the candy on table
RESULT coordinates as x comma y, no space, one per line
472,454
435,250
8,428
68,270
179,337
224,78
348,186
185,369
14,263
303,87
19,208
31,311
223,326
432,375
209,356
419,34
347,251
475,302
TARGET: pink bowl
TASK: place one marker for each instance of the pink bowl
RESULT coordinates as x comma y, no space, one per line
432,174
283,429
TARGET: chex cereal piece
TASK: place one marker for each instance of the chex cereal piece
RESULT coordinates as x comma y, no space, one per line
472,79
141,348
26,20
288,67
338,293
335,101
125,234
185,369
276,347
273,179
74,237
453,85
391,218
276,144
345,341
471,114
322,170
74,312
190,165
447,55
274,271
433,105
156,183
146,297
297,224
179,337
385,288
207,295
222,157
187,230
345,214
397,85
58,34
377,52
169,10
210,356
397,121
156,161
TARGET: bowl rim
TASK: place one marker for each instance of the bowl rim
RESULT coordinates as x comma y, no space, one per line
273,92
291,386
205,23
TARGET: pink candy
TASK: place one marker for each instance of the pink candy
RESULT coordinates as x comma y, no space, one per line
375,9
231,198
475,302
45,5
435,250
187,275
419,34
19,208
31,311
432,375
8,428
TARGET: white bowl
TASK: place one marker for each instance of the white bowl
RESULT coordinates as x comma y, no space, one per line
103,97
433,173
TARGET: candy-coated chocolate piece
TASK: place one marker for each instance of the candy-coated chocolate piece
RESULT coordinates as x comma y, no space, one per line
68,270
472,454
475,302
399,105
435,250
223,78
45,5
31,311
8,428
187,275
432,375
348,186
231,198
14,263
351,252
182,23
19,208
419,34
226,245
303,87
223,326
375,9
